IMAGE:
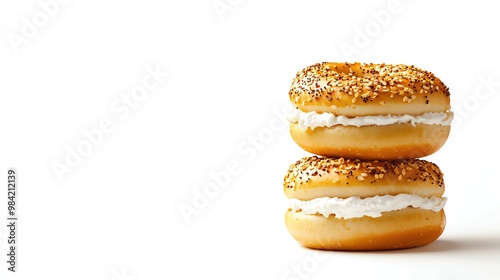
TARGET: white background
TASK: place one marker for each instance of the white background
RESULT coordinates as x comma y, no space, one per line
116,213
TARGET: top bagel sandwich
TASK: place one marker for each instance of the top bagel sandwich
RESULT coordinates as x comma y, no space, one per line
369,111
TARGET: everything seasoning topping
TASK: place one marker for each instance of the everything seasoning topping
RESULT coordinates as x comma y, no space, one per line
309,168
363,83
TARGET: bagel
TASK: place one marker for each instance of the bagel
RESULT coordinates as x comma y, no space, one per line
369,111
353,204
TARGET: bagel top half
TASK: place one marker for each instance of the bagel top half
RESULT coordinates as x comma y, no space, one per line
358,89
316,177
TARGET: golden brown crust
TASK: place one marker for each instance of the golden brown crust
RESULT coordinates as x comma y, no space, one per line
406,228
313,177
356,89
372,142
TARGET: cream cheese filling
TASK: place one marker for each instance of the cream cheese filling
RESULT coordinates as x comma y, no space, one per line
356,207
312,120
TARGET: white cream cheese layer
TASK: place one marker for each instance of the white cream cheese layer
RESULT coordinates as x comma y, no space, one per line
355,207
312,119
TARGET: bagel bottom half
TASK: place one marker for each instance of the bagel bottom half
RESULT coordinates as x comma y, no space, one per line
368,142
406,228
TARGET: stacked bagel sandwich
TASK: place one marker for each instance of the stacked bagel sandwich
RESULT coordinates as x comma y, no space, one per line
366,189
